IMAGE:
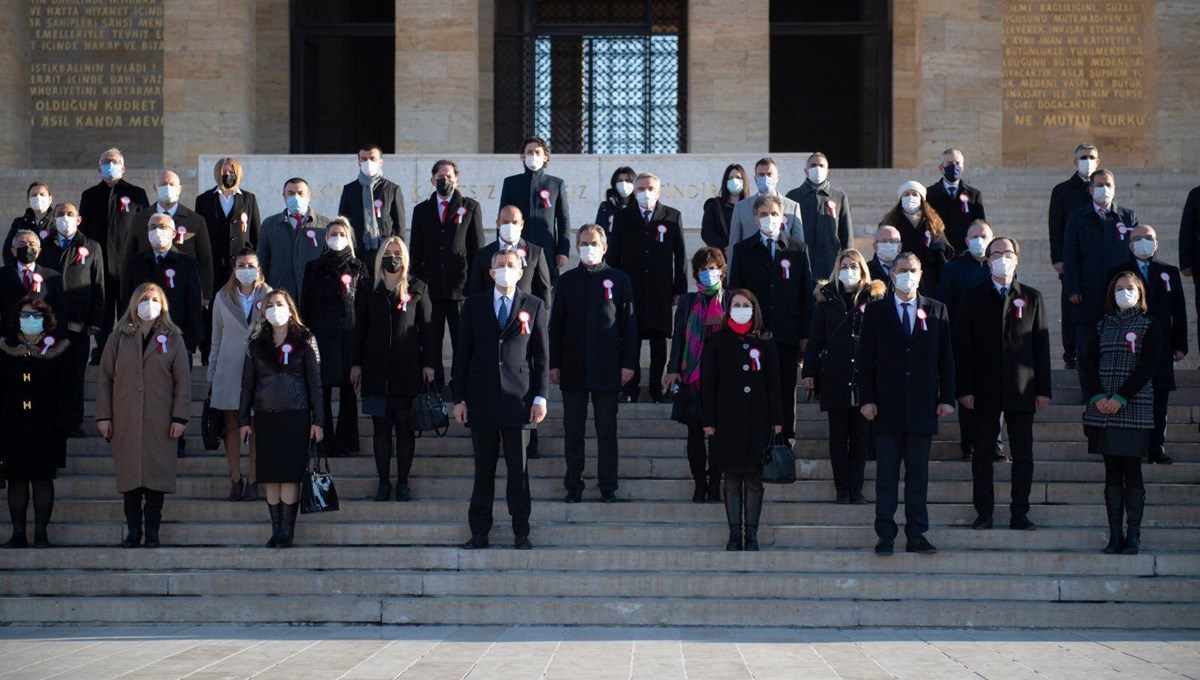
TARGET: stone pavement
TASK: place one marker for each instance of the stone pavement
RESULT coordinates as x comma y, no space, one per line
512,653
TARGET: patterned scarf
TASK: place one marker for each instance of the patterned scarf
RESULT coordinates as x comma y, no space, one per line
706,311
370,225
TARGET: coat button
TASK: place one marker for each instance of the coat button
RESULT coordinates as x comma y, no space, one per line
501,363
745,346
745,367
746,389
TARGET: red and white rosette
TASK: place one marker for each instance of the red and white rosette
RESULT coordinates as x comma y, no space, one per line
608,286
245,222
783,225
81,255
1122,230
523,317
862,308
346,281
43,234
928,238
1019,305
662,232
786,265
181,232
522,253
312,236
377,204
923,318
37,282
47,343
125,204
161,339
755,363
832,205
1131,339
403,304
170,274
962,198
544,194
462,212
1166,279
285,353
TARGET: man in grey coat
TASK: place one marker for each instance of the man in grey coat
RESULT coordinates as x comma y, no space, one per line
825,212
289,240
743,225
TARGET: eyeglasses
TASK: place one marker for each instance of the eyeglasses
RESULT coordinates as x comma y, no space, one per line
31,315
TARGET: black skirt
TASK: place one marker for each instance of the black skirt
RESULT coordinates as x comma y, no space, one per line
283,445
1118,441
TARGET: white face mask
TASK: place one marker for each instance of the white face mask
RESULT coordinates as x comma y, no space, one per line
148,310
65,225
624,189
978,245
1144,248
371,168
278,316
246,276
1003,268
907,282
534,163
590,255
1126,298
887,251
510,232
910,204
507,277
849,277
646,199
1103,195
337,243
168,193
817,174
1086,166
768,225
161,238
734,185
741,314
39,203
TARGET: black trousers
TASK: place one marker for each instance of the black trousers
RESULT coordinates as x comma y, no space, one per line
397,421
344,438
912,449
1158,436
604,407
1085,335
80,352
445,313
697,453
658,364
1068,323
112,303
968,425
487,443
1020,443
848,431
788,371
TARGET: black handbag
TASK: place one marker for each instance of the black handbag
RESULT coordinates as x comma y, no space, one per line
317,492
211,425
429,412
779,463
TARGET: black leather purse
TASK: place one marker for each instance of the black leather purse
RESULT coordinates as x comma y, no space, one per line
317,492
211,425
779,463
429,412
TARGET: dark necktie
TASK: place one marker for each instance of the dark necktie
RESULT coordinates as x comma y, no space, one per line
445,211
904,319
1003,292
502,316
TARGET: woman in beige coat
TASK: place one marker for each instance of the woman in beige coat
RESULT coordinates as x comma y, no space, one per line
142,407
237,310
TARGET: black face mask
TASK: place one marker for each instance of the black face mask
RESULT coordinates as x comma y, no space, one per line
228,181
391,265
444,186
27,255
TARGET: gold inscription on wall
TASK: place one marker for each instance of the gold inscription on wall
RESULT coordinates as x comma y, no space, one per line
1078,72
95,80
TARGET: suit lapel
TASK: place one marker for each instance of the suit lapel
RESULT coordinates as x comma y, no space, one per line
456,200
517,305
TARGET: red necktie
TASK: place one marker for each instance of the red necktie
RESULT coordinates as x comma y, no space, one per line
297,219
445,210
28,281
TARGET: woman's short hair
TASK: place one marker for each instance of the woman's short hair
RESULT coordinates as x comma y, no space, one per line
707,257
341,221
49,320
756,323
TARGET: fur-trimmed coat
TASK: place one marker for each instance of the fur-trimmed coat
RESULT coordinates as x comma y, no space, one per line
833,342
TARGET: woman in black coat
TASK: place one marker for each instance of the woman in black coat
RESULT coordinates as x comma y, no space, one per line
718,211
740,407
333,285
38,218
393,360
37,410
697,316
619,195
922,233
281,406
829,368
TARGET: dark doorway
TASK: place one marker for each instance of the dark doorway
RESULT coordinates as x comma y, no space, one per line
831,80
343,75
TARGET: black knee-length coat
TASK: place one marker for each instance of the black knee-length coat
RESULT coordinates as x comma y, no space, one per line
329,308
37,407
740,399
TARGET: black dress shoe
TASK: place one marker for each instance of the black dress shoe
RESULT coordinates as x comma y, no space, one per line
573,496
609,497
858,499
383,491
1161,459
522,543
921,546
1071,365
843,497
885,547
701,492
40,539
476,543
151,538
18,540
1021,523
403,495
982,522
132,539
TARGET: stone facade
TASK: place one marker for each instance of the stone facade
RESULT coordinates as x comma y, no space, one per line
728,82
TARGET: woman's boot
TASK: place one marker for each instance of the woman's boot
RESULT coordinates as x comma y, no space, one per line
714,487
701,492
1115,508
287,527
133,519
733,512
1135,503
276,511
754,501
154,506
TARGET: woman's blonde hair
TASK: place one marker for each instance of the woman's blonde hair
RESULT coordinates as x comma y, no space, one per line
402,287
234,163
163,323
853,254
232,286
295,324
340,221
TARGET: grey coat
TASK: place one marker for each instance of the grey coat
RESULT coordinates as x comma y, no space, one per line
744,225
283,252
230,338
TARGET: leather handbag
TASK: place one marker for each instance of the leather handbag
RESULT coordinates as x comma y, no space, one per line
779,463
429,412
211,425
317,492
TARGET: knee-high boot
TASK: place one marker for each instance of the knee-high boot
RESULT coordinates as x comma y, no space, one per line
1135,503
154,506
1113,504
133,519
754,501
287,526
276,511
733,512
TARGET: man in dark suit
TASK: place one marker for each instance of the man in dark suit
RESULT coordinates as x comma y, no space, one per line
594,348
825,214
1002,365
81,263
1096,241
102,208
1164,296
447,232
27,277
542,199
1189,242
906,383
887,247
775,268
647,244
191,232
535,276
955,202
176,272
1065,199
500,382
373,204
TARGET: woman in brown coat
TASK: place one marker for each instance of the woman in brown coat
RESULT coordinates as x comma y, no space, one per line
142,407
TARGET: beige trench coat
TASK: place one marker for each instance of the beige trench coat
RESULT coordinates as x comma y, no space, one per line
141,392
230,339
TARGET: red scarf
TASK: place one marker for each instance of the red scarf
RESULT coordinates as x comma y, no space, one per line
741,328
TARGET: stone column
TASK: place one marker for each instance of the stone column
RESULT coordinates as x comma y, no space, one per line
907,17
14,84
437,76
272,77
728,76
